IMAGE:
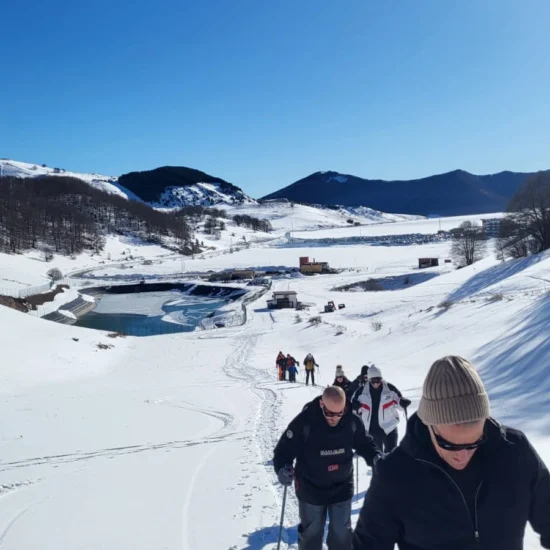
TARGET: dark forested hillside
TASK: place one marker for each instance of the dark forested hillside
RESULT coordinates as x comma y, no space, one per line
69,216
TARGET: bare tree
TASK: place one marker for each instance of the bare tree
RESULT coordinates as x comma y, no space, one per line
55,274
526,228
67,216
469,243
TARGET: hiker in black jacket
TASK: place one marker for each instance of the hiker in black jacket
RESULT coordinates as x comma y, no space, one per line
458,480
322,439
340,379
356,387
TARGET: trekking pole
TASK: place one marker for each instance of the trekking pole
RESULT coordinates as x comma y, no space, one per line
356,478
282,519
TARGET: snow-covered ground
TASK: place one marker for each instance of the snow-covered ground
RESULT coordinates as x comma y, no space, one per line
166,442
30,269
20,271
422,226
285,216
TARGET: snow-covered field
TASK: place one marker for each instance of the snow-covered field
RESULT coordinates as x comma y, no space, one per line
30,269
422,226
285,216
166,442
20,271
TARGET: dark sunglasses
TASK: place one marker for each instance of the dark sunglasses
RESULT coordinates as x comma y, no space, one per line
375,380
330,414
448,446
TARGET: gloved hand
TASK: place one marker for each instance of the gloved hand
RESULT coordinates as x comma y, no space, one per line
404,403
355,406
286,475
375,460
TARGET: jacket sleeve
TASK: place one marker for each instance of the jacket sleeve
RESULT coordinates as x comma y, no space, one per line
378,527
355,393
539,510
398,396
288,447
363,443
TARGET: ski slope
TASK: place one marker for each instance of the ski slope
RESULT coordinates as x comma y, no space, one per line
166,442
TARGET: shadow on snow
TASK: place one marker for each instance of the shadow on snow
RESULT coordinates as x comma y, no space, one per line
515,368
492,276
260,539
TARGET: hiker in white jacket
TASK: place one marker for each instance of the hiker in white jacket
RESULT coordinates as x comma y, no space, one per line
378,407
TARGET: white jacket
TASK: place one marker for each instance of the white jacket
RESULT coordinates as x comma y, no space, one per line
388,415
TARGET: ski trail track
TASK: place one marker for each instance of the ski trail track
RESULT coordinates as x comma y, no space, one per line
266,424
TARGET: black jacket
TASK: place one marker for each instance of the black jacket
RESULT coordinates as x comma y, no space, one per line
356,385
324,454
345,384
414,502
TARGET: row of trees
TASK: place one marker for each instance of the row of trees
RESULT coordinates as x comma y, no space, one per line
69,216
524,230
253,223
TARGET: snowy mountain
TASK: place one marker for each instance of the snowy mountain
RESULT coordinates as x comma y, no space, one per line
176,186
166,187
18,169
451,194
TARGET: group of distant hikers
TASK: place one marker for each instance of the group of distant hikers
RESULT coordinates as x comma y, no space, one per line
287,365
457,480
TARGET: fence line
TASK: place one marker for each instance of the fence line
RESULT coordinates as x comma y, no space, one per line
25,292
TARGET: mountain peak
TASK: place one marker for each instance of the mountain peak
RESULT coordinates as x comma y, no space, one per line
176,186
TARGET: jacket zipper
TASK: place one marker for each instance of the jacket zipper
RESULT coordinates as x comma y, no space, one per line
476,532
475,523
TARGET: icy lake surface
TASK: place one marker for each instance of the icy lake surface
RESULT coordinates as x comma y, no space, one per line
149,313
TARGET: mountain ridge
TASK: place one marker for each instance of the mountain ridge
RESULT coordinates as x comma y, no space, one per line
163,187
453,193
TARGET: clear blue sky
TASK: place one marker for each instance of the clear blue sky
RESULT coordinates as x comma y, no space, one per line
262,93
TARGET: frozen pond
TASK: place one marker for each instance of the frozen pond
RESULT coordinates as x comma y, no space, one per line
150,313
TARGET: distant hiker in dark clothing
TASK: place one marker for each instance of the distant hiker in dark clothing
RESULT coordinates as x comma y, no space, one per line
322,439
356,387
340,379
459,479
378,405
310,364
281,365
291,367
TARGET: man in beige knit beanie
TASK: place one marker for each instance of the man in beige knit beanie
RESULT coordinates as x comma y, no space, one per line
458,479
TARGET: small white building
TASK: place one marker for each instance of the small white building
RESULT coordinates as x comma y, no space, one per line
283,299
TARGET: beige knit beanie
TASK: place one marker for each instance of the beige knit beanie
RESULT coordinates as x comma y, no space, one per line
453,393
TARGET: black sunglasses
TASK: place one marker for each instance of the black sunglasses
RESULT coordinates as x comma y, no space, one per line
448,446
330,414
375,380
